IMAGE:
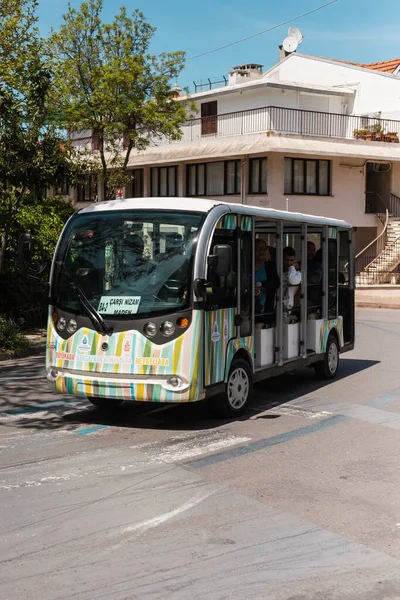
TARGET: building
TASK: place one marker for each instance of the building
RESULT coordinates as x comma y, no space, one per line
311,135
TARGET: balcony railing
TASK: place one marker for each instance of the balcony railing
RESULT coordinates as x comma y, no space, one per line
291,121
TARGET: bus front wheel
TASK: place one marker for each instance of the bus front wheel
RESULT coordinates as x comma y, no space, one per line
328,367
238,390
105,403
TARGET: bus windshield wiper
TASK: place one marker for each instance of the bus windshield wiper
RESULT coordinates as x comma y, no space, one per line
99,323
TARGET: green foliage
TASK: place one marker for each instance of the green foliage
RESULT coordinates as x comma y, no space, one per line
44,220
107,81
11,338
34,152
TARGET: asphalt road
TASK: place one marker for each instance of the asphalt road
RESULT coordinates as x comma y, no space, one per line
297,500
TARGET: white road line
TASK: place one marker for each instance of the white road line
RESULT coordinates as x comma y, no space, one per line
160,519
186,447
291,410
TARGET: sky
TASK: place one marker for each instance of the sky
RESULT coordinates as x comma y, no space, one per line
356,30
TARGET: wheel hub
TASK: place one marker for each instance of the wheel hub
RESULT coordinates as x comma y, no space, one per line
238,388
333,357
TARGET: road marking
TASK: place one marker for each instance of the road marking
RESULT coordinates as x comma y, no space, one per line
160,519
188,446
289,435
291,410
265,443
90,429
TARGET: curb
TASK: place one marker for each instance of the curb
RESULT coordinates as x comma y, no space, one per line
33,351
378,305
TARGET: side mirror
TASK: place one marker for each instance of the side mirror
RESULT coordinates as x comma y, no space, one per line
221,260
25,248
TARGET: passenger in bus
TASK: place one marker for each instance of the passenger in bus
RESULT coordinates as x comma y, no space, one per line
311,250
291,279
267,282
315,276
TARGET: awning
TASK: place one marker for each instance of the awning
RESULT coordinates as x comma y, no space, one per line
238,146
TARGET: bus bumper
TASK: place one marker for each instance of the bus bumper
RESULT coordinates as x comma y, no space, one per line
142,388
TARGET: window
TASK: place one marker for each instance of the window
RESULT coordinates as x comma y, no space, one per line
223,291
87,190
164,181
306,176
209,123
258,176
146,256
63,188
137,183
214,179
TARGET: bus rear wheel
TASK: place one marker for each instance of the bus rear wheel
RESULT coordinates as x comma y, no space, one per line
328,367
238,390
105,403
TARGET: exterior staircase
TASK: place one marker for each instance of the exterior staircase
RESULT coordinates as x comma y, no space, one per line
383,267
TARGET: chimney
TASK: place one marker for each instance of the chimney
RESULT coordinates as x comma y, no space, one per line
282,53
245,73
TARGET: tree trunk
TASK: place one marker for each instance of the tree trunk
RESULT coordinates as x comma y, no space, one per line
3,248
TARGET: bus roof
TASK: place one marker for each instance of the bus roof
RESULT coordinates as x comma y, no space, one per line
204,206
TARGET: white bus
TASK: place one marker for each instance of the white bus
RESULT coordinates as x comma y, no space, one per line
181,300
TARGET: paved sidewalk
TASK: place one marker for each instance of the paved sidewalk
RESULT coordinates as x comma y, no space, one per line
378,296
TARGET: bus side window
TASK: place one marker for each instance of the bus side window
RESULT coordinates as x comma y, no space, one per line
222,292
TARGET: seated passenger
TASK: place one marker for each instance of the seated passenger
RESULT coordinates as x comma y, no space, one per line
291,281
315,276
267,282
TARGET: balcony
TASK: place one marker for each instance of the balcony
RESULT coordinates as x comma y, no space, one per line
291,121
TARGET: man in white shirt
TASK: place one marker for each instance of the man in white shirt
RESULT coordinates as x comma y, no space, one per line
291,279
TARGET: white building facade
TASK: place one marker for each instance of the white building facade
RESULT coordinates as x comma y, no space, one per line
310,135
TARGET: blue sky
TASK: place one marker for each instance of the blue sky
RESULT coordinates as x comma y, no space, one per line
354,30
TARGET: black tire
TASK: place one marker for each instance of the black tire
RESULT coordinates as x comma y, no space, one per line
328,367
238,390
105,403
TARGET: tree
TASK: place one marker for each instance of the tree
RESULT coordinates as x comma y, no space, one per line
34,151
109,83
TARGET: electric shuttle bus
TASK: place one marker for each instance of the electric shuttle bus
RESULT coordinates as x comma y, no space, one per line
182,300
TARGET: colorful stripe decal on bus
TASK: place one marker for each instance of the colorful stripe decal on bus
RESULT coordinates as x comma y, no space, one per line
227,222
129,353
219,329
246,223
245,343
325,330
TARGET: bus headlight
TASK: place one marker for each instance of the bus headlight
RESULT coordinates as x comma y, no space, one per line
174,381
52,373
150,329
168,328
72,326
61,324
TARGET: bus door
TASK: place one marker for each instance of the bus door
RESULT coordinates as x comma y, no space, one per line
229,306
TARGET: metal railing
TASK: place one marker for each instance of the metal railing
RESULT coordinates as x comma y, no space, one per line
373,249
384,268
394,205
291,121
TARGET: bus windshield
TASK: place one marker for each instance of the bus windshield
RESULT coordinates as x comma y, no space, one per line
127,262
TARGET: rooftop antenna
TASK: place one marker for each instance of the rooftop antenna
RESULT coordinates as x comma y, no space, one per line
296,33
290,43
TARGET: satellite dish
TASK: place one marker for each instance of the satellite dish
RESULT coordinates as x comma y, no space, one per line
290,44
296,33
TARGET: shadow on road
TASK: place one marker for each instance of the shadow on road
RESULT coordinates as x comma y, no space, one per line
30,404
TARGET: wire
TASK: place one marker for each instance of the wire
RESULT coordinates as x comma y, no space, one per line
265,30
